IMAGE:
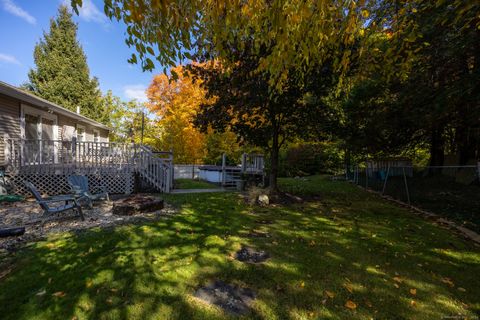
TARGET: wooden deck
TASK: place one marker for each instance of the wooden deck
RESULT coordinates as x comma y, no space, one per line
49,162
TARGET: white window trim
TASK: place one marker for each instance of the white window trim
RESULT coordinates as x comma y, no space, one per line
96,131
24,109
81,126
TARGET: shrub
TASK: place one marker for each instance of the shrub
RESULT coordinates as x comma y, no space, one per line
310,158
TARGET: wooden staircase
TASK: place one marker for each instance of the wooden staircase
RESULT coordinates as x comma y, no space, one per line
155,168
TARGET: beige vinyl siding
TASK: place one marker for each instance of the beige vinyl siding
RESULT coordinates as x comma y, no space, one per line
66,121
103,135
9,121
89,133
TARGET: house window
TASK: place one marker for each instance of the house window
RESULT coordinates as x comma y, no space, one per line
96,136
39,129
48,129
81,137
31,127
38,125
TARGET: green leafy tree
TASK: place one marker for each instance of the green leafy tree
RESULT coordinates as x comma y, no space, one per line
432,104
299,33
115,116
62,74
245,104
125,121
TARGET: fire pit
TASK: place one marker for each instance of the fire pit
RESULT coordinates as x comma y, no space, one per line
136,204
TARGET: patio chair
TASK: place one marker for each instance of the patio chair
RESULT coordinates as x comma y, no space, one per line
45,203
79,185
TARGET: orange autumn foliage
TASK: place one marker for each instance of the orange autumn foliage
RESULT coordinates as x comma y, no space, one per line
176,103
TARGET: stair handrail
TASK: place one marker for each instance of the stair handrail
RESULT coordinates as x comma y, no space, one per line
157,171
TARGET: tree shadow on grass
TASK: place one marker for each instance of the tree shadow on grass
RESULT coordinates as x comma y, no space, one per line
358,253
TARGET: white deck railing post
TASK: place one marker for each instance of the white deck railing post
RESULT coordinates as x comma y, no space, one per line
478,170
224,168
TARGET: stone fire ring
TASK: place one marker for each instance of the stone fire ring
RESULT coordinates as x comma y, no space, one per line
136,204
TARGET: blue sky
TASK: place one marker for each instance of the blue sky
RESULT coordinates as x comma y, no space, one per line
22,23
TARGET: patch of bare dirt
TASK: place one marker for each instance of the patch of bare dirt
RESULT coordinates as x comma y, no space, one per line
29,214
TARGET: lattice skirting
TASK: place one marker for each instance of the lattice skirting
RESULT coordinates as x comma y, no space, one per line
52,184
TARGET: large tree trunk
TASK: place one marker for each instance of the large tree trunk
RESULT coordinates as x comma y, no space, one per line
274,164
348,161
437,146
461,139
465,138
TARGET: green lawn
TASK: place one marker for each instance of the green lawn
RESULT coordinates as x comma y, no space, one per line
193,184
347,246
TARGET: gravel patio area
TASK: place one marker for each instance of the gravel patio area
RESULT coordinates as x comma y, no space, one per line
29,214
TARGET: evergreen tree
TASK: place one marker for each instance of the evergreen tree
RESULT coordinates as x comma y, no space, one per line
62,75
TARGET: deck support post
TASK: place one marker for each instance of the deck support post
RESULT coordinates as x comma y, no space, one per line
224,166
244,162
478,170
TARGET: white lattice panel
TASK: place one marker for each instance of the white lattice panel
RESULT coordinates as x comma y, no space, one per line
52,184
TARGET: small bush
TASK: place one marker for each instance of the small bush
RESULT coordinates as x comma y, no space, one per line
309,159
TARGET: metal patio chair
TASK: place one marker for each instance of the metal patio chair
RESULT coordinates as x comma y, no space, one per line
46,203
79,185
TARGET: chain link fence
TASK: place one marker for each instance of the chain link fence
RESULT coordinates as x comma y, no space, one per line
449,191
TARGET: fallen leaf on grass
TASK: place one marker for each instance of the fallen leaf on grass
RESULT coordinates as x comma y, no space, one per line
59,294
396,285
302,284
413,303
351,305
448,281
330,294
397,279
413,291
348,287
41,292
461,289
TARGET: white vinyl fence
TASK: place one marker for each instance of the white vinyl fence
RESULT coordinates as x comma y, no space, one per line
185,171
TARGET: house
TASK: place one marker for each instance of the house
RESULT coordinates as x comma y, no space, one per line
24,116
44,143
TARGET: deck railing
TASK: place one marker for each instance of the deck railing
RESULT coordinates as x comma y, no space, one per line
20,153
253,163
54,156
